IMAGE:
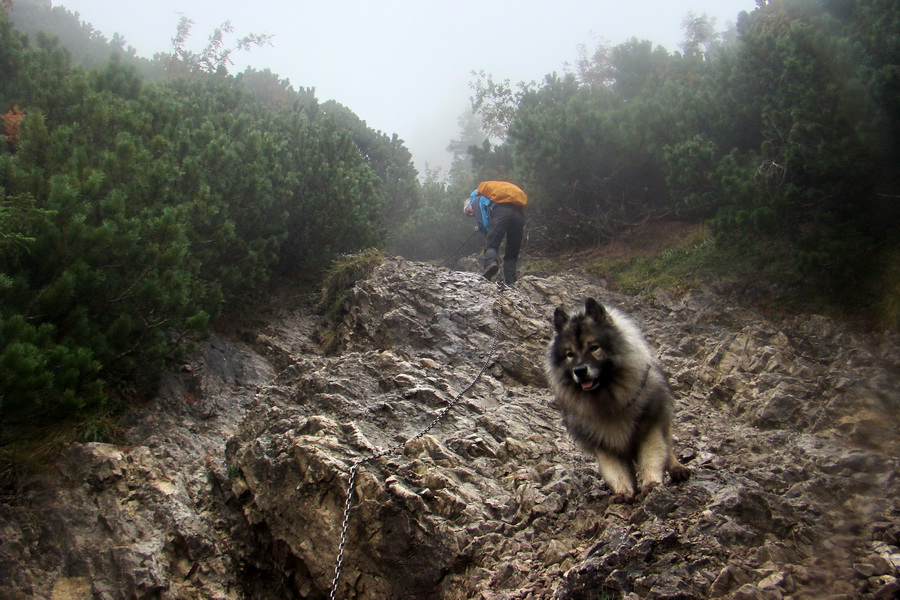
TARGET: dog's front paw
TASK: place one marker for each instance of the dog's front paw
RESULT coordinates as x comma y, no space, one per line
623,498
645,490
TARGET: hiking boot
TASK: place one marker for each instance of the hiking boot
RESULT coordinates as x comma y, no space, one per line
509,271
490,270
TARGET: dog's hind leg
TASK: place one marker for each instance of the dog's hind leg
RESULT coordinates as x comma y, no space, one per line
617,474
677,471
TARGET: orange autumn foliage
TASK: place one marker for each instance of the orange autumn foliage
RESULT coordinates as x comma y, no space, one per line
11,120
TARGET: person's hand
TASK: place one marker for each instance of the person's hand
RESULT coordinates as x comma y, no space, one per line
469,210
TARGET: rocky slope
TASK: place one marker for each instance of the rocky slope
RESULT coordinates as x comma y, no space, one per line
234,482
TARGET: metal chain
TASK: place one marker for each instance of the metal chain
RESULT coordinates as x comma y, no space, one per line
339,563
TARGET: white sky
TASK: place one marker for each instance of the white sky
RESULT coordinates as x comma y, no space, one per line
404,66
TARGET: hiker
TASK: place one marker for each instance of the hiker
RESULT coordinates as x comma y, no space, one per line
499,211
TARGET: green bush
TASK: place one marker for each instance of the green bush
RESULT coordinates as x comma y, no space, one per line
132,212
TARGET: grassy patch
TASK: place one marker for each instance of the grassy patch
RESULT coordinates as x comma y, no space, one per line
673,264
34,448
539,266
757,273
693,261
343,273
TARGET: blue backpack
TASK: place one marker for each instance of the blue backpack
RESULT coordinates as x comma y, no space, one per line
482,206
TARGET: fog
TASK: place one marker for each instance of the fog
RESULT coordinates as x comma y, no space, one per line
404,66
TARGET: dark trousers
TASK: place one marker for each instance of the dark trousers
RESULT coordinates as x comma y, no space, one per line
507,220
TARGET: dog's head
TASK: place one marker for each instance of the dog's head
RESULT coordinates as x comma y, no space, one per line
583,345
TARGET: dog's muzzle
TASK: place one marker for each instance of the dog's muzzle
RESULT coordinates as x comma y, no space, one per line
584,378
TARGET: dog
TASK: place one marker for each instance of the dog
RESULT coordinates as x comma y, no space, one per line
615,401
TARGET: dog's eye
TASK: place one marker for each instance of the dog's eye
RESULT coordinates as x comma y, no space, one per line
593,348
570,355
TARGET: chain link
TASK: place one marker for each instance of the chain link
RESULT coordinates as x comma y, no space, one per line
339,563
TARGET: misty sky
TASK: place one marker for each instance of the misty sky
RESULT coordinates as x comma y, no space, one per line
404,66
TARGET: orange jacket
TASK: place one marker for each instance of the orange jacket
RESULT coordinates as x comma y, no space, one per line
502,191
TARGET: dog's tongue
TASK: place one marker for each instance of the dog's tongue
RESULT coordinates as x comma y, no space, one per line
588,384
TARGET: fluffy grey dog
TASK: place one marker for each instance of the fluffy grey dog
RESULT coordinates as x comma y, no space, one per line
614,398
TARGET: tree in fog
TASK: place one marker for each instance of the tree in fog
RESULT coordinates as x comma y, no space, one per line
436,228
470,134
216,54
700,35
595,67
268,88
496,102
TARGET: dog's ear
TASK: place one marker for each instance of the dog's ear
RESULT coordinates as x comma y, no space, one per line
595,310
560,318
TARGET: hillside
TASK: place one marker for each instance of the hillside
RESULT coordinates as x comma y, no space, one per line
143,199
232,482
